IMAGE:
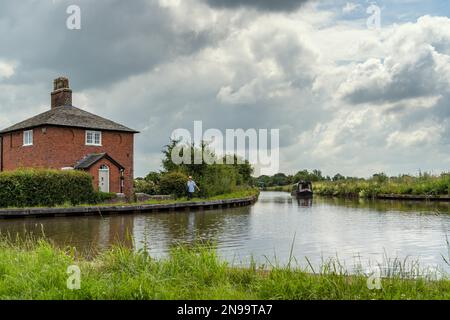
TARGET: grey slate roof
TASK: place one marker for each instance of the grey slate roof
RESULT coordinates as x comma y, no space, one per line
68,116
89,160
92,158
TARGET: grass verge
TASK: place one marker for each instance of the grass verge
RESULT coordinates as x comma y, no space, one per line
38,270
234,195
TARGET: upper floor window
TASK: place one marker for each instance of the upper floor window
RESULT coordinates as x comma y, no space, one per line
93,138
28,138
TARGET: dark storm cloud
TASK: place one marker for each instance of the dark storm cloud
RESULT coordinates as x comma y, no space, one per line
118,39
264,5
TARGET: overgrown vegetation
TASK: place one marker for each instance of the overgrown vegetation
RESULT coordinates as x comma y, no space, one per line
281,179
214,177
378,184
423,184
39,187
38,270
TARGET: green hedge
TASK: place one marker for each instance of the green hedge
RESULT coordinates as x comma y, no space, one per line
174,183
104,197
32,188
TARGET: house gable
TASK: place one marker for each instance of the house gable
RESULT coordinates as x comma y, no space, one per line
91,159
59,141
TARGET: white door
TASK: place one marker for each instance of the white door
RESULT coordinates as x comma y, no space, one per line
103,178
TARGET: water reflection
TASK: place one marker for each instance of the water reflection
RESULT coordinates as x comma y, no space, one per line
305,202
352,229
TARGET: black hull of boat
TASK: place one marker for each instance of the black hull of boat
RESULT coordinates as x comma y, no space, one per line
304,194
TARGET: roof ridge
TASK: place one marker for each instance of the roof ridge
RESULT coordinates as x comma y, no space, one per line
69,116
96,115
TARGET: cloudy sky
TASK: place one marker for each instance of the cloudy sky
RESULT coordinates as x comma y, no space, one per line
346,98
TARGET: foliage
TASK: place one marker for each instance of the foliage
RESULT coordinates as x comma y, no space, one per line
149,184
145,186
38,270
305,175
424,184
102,197
218,179
153,176
39,187
214,176
173,183
281,179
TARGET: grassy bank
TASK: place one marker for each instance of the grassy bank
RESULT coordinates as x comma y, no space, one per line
405,185
422,185
287,188
243,193
37,270
234,195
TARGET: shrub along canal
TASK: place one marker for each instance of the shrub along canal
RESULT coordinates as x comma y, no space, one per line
356,231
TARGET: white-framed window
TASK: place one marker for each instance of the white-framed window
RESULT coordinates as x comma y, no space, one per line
93,138
28,138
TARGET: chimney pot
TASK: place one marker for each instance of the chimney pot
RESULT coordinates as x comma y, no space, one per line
62,94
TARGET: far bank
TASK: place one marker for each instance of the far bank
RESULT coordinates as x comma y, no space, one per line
424,187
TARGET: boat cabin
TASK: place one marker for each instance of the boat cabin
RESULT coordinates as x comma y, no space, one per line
302,189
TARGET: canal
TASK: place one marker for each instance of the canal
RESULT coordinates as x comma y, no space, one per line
357,232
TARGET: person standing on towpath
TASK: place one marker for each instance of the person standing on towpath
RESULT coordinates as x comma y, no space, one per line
191,186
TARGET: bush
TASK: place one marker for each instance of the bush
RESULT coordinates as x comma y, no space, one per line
218,179
145,186
32,187
102,197
173,183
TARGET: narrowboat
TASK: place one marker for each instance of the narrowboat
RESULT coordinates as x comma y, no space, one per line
303,189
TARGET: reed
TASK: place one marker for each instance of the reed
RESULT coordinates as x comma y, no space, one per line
36,269
424,184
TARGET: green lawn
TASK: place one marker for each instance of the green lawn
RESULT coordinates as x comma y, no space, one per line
37,270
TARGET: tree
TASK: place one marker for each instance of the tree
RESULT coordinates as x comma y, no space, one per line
153,176
214,175
167,163
316,175
279,179
338,177
301,176
380,177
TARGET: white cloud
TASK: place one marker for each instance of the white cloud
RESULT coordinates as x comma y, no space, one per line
350,7
416,138
276,73
415,64
343,96
7,70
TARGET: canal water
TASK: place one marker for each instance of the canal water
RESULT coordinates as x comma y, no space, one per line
277,227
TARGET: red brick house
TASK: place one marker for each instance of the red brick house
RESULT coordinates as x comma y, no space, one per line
66,137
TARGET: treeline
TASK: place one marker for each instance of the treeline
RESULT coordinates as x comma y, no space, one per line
281,179
212,179
377,184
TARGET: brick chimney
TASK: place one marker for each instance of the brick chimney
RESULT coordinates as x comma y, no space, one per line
61,95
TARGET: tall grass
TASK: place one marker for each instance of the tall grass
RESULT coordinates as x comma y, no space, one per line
424,184
37,270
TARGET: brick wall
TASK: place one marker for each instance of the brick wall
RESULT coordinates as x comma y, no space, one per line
59,147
